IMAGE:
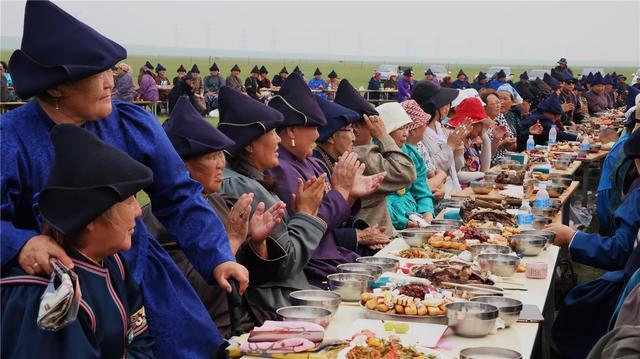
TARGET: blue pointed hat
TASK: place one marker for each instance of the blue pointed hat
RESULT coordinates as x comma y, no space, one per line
551,81
590,78
551,104
501,74
349,97
337,116
296,102
57,48
244,119
524,76
429,72
597,79
159,68
190,134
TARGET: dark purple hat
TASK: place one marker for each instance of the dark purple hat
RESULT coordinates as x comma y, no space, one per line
190,134
159,68
597,79
337,116
428,72
590,78
524,76
214,67
255,70
244,119
181,69
501,74
148,65
551,104
426,92
263,70
349,97
562,61
296,102
283,70
235,68
80,188
317,72
482,76
333,75
542,86
195,69
551,81
57,48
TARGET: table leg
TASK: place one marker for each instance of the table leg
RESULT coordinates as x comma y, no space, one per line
586,176
566,207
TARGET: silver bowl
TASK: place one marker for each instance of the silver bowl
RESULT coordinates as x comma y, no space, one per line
540,222
489,352
543,212
509,308
555,203
446,222
561,181
561,163
500,264
490,177
387,264
305,313
363,268
595,148
528,244
482,187
415,237
477,249
568,155
490,230
350,285
471,319
317,298
452,202
516,166
505,163
550,236
555,190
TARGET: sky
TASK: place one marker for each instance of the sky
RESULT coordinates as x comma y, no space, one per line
585,32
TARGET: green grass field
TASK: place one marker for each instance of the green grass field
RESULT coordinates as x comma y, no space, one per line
358,73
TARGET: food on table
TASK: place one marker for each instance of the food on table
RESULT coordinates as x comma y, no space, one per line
451,271
562,147
380,348
506,230
411,299
423,253
510,177
484,211
399,328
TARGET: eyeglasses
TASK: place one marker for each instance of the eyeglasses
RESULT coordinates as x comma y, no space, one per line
346,130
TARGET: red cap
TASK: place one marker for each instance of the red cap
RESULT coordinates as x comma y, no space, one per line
469,107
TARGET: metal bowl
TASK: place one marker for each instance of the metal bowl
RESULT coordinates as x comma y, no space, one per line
561,181
447,222
350,285
528,244
490,177
387,264
550,236
482,187
486,248
555,203
363,268
305,313
471,319
489,352
317,298
569,155
452,202
506,162
516,166
595,148
490,230
540,222
500,264
554,190
415,238
561,163
509,308
543,212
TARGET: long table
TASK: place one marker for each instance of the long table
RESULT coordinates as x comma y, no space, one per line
526,338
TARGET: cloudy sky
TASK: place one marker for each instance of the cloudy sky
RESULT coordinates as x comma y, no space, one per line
588,32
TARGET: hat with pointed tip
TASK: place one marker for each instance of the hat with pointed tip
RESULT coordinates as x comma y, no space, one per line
349,97
181,69
524,76
597,79
263,70
159,68
255,70
333,75
317,72
50,54
297,104
501,74
235,68
461,73
337,117
429,72
80,188
283,70
551,104
214,67
148,65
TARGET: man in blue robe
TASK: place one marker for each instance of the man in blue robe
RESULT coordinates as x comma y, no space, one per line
461,83
539,124
319,84
501,79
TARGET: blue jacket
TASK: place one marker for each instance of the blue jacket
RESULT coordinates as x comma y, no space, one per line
543,138
457,84
111,319
174,310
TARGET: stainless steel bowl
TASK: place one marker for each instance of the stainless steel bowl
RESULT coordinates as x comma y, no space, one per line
471,319
387,264
417,238
561,163
489,353
561,181
446,222
516,166
569,155
555,203
490,230
528,244
555,190
550,236
317,298
350,285
544,212
505,163
540,222
509,308
482,187
477,249
363,268
305,313
490,177
595,148
500,264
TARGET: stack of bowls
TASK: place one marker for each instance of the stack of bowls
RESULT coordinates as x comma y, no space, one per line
317,298
305,313
471,319
415,237
527,244
363,268
550,236
387,264
350,285
509,308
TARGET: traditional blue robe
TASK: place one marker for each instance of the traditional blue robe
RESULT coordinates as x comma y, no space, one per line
315,84
334,210
111,319
178,319
461,85
543,138
587,309
495,83
603,200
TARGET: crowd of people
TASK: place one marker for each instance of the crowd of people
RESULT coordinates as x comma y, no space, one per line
285,189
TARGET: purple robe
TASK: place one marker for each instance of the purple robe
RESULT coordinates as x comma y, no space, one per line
597,103
148,88
404,90
334,210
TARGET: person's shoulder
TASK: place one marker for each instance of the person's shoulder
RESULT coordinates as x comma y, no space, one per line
15,276
18,117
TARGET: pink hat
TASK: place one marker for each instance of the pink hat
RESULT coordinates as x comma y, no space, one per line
418,116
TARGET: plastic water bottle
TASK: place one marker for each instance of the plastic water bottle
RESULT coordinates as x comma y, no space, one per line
542,198
585,144
525,215
553,133
531,144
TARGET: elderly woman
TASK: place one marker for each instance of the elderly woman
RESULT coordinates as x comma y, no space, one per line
503,135
200,146
345,183
66,92
91,211
147,87
473,157
417,197
123,89
252,126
